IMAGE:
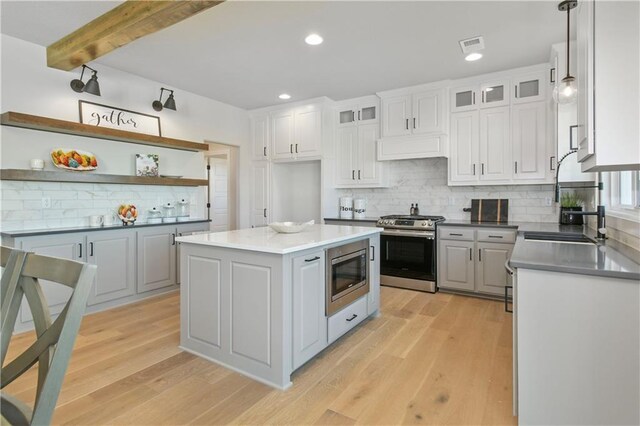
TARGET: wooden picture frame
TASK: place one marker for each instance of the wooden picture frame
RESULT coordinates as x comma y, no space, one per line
100,115
573,137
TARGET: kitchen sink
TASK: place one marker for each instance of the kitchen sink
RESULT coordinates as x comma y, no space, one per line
558,237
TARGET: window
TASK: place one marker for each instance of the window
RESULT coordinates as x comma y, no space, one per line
622,193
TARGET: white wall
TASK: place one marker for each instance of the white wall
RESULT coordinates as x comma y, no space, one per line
296,191
28,86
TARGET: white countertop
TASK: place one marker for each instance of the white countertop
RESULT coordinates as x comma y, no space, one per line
267,240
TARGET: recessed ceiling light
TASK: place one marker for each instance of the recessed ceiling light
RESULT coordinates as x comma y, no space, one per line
313,39
473,56
285,96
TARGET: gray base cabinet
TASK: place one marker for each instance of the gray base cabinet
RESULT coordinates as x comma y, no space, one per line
473,259
456,265
491,274
309,322
114,255
156,258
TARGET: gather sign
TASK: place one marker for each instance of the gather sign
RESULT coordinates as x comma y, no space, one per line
117,118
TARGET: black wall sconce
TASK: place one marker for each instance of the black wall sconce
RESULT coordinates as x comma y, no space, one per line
170,103
91,86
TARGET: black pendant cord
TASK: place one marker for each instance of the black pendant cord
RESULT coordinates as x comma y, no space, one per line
568,39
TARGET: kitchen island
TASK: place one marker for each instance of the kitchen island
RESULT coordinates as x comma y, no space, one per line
255,301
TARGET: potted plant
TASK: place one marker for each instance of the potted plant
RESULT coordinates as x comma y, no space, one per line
570,202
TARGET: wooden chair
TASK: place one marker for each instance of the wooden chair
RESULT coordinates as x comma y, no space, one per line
54,343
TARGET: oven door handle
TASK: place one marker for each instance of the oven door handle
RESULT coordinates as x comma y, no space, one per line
419,234
349,256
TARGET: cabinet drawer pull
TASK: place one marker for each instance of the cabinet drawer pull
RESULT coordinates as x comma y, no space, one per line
479,255
474,169
482,168
516,91
290,148
80,249
414,122
354,316
470,254
173,239
353,175
516,166
264,212
551,163
474,98
406,121
358,115
495,236
373,253
313,259
91,249
358,174
506,299
552,75
264,151
353,116
296,148
454,235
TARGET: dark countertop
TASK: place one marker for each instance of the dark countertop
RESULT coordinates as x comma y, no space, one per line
366,219
608,258
51,231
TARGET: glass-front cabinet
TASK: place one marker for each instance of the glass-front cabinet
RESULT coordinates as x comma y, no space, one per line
463,99
360,114
529,88
494,94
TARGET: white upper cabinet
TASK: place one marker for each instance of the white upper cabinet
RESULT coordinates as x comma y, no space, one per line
530,87
296,133
428,112
529,141
260,136
356,154
494,94
463,158
608,65
308,132
495,144
464,98
397,112
282,134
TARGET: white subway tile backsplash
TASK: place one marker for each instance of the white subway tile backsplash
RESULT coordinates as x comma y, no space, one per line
425,181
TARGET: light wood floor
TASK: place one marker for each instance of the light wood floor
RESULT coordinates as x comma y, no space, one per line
429,359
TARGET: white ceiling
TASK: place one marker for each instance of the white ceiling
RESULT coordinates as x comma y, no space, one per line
247,53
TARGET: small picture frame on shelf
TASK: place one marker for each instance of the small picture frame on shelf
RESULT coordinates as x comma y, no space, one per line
147,165
573,137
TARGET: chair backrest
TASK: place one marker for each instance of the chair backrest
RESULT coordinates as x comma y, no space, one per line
55,339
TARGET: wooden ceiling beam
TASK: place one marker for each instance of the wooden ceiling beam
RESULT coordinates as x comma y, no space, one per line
121,25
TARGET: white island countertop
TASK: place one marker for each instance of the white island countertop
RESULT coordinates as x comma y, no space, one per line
267,240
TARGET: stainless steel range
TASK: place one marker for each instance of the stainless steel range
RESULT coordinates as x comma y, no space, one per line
408,251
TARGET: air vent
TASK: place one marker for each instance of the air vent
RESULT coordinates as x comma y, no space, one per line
472,44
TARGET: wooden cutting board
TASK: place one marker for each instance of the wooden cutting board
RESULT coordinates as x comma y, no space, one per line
489,210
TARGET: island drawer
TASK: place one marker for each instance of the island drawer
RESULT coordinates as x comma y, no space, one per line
493,235
347,318
453,233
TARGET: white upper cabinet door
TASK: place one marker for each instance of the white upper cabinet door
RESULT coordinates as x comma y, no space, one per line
260,135
260,194
368,114
584,77
529,140
495,144
282,134
464,147
427,112
369,169
495,94
346,153
397,111
308,132
530,88
347,116
464,99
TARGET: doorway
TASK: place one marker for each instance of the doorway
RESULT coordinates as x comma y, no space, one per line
222,162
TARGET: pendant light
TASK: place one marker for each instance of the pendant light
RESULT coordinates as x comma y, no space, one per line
91,86
566,91
170,103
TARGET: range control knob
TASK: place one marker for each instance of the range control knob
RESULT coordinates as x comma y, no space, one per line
424,223
386,222
430,222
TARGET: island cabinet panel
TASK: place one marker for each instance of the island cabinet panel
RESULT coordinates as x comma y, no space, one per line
373,302
250,312
309,321
205,328
114,255
156,258
347,318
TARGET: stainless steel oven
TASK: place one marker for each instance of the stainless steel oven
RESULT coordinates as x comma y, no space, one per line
347,274
408,259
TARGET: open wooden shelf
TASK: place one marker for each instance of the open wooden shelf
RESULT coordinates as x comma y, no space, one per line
91,177
35,122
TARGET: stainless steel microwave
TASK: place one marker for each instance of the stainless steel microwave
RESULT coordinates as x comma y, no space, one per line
347,274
